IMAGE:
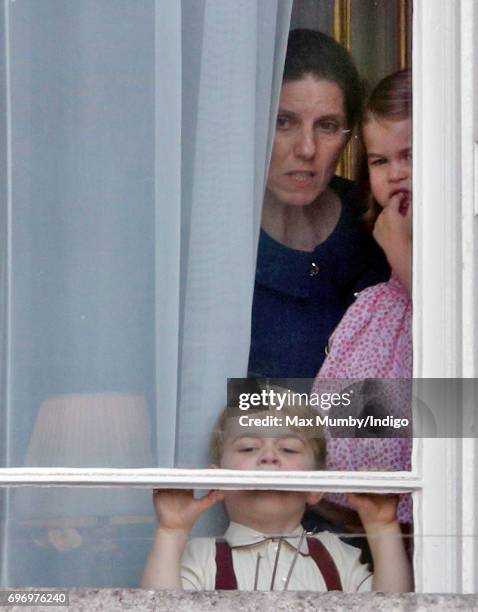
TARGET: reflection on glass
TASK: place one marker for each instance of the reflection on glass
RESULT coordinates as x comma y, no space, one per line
67,537
91,430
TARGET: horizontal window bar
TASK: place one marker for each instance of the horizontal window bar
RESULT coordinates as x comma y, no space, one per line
379,482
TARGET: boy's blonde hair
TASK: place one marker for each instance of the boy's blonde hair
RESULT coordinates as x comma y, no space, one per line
312,434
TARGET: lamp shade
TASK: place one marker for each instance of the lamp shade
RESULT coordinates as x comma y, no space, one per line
110,430
91,430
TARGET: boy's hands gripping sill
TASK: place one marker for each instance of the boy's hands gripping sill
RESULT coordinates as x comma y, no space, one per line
392,571
177,511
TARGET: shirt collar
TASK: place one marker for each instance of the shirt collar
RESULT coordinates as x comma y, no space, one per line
239,535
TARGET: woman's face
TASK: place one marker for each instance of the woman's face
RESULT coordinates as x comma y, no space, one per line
308,141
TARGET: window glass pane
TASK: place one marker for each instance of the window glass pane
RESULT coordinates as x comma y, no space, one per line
75,537
80,275
102,537
128,185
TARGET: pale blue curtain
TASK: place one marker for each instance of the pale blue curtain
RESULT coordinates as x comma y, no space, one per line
135,136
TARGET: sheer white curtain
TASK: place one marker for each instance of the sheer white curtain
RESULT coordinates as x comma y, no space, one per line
135,143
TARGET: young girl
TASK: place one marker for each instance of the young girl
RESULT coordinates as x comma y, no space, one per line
373,340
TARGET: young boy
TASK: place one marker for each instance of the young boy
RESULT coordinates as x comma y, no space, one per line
264,547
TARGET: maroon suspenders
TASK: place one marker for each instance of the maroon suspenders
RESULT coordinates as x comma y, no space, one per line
325,563
226,579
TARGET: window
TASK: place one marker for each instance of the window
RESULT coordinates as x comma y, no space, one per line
445,326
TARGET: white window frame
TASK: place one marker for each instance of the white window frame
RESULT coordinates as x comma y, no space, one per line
445,322
446,206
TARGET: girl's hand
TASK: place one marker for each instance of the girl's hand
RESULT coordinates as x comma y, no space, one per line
393,232
393,225
178,509
376,511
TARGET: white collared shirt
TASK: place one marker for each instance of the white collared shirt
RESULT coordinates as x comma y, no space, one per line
198,566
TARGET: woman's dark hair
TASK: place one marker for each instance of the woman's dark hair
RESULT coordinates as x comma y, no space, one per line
312,52
391,100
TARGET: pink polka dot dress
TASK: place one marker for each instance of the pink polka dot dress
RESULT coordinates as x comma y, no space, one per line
373,341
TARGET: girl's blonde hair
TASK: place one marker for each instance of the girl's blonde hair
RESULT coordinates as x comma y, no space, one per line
391,100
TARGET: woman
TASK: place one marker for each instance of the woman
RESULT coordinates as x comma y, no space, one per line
313,254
